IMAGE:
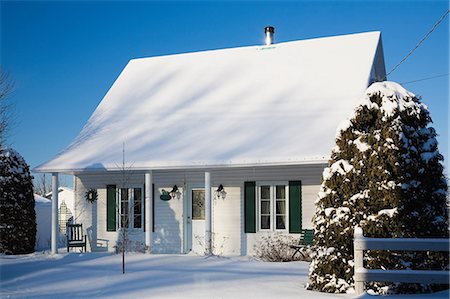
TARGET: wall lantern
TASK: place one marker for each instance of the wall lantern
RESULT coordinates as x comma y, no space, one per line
175,192
220,192
168,195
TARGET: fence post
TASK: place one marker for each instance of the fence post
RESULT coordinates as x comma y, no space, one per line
358,256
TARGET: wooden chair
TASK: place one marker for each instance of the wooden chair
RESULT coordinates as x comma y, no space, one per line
100,245
306,239
75,237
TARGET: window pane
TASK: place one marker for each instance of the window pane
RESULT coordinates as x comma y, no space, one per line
281,192
281,207
281,222
137,194
265,207
124,194
123,221
198,204
265,192
124,200
137,204
137,221
265,222
137,207
124,207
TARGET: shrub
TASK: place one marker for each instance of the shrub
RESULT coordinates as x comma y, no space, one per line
275,248
17,213
385,175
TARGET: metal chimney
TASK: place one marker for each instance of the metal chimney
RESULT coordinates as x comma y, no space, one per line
269,31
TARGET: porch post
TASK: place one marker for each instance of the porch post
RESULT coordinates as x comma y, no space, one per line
55,187
148,210
208,214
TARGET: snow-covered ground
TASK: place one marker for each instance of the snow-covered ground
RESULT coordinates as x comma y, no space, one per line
77,275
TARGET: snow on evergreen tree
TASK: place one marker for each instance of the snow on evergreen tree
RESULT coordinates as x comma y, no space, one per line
17,213
385,175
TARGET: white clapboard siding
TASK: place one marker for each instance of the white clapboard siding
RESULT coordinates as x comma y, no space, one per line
228,235
168,235
309,196
227,222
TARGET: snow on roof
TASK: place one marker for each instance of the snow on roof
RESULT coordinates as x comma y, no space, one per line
41,200
257,105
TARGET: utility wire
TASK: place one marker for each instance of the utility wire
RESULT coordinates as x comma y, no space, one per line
424,79
418,45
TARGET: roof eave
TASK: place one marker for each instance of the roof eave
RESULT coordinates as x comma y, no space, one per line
322,160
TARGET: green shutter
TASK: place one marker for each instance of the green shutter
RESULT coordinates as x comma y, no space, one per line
249,207
295,207
145,207
111,208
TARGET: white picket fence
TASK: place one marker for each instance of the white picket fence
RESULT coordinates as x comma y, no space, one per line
362,274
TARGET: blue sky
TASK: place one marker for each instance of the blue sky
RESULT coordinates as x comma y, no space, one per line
64,56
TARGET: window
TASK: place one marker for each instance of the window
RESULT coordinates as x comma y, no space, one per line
272,206
130,207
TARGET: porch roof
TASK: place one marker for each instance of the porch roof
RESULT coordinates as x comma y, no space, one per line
257,105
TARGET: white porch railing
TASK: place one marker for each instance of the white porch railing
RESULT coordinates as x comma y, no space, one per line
362,274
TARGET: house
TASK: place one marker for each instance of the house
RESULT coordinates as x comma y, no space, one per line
42,206
210,151
66,206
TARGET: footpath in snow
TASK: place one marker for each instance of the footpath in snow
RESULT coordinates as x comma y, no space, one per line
99,275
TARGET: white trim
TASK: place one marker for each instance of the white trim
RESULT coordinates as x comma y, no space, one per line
318,160
130,207
55,230
188,212
148,214
208,213
273,214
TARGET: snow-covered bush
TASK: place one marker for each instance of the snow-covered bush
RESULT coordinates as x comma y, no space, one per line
275,248
385,175
17,214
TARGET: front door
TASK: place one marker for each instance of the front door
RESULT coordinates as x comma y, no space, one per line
197,220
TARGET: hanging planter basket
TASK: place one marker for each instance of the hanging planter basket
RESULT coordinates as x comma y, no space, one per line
91,195
165,195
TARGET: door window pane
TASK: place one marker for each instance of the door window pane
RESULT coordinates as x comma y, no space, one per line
198,204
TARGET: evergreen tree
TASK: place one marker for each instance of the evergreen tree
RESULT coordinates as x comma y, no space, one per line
17,213
385,175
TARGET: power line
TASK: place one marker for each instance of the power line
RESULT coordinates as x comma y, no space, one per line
418,45
424,79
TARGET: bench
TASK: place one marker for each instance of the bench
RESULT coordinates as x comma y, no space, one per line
75,237
362,275
306,239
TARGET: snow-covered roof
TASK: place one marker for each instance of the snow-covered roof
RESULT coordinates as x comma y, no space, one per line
41,200
256,105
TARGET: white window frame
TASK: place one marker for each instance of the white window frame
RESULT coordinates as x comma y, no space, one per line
272,205
130,207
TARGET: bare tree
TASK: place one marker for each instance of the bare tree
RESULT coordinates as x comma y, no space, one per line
125,210
6,87
42,186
